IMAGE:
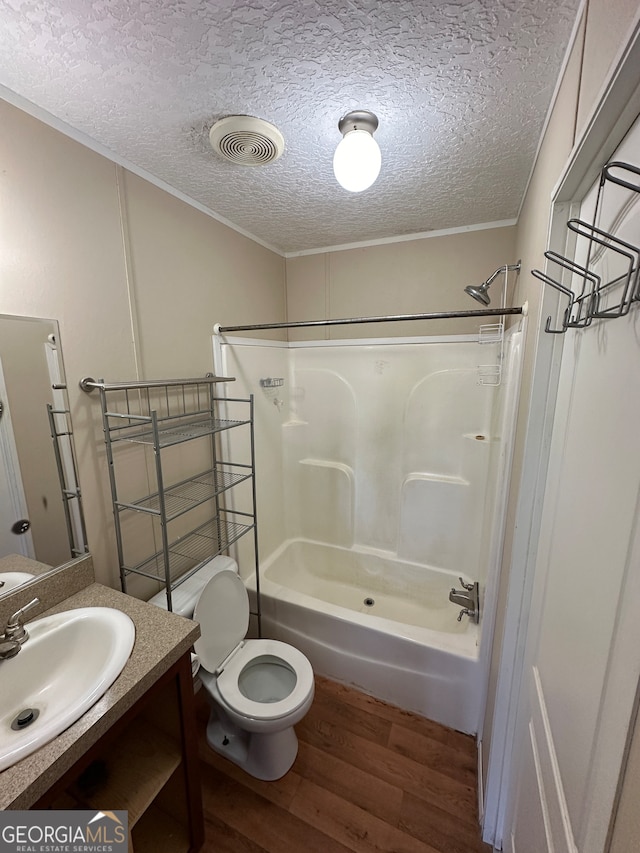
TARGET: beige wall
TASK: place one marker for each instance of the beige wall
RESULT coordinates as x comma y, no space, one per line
135,278
608,23
188,273
407,277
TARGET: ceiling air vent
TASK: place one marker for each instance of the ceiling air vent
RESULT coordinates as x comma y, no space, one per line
246,140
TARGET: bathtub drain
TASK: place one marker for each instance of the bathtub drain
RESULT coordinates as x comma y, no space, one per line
369,602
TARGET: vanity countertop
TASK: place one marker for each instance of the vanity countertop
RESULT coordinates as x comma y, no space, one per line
161,639
18,563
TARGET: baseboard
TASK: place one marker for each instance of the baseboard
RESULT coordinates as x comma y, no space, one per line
480,785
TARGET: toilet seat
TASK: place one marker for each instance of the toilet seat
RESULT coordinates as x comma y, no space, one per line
223,613
251,653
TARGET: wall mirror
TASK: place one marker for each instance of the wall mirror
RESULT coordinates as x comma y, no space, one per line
40,505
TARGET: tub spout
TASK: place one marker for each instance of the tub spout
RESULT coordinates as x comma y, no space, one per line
461,598
468,598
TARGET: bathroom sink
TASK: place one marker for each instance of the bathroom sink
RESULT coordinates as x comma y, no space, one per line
10,580
68,662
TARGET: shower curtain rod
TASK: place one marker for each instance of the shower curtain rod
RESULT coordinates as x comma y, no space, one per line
349,321
389,318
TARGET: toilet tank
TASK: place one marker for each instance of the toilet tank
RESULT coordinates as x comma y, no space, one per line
185,596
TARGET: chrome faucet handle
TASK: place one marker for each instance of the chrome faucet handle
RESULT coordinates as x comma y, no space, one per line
464,612
467,586
15,629
9,649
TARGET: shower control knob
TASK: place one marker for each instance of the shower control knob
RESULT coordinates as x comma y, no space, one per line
463,612
467,586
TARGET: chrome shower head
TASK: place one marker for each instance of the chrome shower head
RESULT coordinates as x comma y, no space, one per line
479,293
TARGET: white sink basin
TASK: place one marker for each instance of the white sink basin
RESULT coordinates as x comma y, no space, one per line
68,662
10,580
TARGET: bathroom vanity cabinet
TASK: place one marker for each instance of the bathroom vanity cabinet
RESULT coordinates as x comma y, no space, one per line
200,501
136,748
146,764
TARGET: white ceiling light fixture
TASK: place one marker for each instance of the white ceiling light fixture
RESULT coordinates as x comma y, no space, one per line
356,163
246,140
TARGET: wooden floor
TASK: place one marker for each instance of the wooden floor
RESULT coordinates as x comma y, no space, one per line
368,777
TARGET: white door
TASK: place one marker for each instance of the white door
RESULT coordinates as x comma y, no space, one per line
583,662
13,504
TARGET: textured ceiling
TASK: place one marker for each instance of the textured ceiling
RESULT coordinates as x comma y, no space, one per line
460,87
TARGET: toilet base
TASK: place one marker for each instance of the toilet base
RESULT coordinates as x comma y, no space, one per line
264,756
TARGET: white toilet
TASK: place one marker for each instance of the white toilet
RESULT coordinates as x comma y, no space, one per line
257,689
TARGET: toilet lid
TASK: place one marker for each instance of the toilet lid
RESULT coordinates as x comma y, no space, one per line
223,613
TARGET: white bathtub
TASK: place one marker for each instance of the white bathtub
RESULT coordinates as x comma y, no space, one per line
406,647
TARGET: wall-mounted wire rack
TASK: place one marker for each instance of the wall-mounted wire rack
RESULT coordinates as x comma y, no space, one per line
190,516
61,431
594,298
491,333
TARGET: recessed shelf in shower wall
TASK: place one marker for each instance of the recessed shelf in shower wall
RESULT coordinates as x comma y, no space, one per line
327,493
433,511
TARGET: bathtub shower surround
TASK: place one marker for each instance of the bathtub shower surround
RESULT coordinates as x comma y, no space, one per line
382,625
381,470
390,452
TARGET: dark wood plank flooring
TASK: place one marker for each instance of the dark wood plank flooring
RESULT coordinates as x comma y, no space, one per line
369,777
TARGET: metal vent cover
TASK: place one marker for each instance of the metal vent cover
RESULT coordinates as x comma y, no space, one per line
246,140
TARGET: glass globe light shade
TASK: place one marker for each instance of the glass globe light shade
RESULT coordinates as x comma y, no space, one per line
357,161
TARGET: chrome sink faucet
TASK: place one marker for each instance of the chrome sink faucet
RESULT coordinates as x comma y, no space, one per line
15,634
468,598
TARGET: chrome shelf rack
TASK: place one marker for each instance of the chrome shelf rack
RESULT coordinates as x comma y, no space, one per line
62,436
594,298
160,415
